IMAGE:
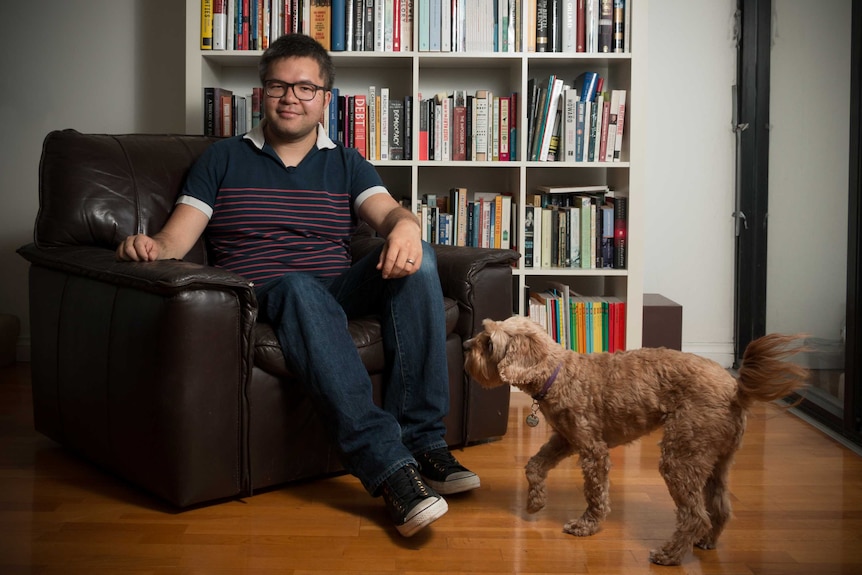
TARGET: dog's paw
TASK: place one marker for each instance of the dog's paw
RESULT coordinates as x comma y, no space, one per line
582,527
661,557
536,499
706,543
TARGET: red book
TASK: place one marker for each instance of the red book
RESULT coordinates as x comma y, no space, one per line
581,37
505,121
459,124
360,124
246,22
603,144
396,26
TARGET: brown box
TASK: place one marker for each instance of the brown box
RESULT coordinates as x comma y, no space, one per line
662,322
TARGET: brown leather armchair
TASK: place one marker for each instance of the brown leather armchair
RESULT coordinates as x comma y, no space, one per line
159,372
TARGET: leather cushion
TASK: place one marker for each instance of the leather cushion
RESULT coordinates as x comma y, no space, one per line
364,331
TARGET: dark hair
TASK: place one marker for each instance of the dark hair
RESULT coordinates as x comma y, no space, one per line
298,46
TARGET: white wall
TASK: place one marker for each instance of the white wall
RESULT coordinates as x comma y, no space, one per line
116,66
109,66
689,247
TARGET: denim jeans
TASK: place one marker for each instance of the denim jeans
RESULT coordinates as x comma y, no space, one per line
309,316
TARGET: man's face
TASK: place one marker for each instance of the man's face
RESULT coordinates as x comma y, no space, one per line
291,119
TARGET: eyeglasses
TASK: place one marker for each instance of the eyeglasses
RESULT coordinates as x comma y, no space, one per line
304,91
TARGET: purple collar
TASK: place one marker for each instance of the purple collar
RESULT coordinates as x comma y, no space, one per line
541,395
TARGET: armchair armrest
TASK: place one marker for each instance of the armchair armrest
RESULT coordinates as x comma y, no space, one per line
142,367
480,280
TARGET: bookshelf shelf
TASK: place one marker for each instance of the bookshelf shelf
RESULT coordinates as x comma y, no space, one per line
422,74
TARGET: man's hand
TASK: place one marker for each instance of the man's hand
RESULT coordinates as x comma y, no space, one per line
139,248
174,241
402,253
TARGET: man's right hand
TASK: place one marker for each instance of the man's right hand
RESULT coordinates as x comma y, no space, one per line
139,248
174,241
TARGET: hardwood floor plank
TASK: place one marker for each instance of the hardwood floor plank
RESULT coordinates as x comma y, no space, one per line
797,497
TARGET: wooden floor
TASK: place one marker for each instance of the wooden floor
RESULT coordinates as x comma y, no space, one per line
797,498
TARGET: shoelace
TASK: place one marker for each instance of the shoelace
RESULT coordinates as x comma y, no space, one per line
406,487
442,459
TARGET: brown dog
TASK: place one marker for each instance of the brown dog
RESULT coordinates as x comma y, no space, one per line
598,401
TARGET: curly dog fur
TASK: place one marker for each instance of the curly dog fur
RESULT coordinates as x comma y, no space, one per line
599,401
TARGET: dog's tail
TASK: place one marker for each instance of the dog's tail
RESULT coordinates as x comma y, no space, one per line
765,375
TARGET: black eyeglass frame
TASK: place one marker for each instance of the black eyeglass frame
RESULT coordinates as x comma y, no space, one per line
283,87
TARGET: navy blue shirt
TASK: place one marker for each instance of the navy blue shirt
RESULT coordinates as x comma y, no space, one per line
267,219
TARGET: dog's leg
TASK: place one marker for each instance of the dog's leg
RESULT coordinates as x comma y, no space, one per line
717,501
595,464
686,477
555,450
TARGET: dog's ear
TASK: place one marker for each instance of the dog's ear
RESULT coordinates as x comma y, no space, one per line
497,342
525,351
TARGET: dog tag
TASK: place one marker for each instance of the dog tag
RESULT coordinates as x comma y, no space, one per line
532,420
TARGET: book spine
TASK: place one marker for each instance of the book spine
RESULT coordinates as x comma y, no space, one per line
360,124
619,32
396,129
408,127
541,26
606,26
621,115
206,24
321,22
339,20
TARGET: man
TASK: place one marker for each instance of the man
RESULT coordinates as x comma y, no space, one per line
279,205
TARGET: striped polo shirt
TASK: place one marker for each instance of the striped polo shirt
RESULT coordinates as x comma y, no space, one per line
267,219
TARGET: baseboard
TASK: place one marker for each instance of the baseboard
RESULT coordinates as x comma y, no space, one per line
721,353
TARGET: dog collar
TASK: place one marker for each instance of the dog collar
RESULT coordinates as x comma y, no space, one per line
547,387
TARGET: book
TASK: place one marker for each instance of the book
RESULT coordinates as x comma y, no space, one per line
505,114
542,31
407,132
396,129
620,124
529,234
338,25
618,41
360,124
459,125
621,209
321,22
553,103
219,24
206,24
606,26
480,139
383,123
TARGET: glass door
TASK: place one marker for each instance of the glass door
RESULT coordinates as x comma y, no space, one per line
798,187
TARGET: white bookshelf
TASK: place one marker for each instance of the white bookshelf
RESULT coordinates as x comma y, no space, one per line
426,73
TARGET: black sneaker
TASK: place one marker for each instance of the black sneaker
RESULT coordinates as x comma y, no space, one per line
441,470
412,504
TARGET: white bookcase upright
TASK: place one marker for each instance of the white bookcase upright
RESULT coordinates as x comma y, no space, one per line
426,73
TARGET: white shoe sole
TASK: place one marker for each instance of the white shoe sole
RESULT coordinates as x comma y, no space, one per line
454,486
425,517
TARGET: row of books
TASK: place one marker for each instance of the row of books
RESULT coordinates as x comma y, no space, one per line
582,227
464,218
570,124
365,25
469,127
229,114
598,26
377,124
585,324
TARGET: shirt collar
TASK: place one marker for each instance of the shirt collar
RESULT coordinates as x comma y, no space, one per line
256,137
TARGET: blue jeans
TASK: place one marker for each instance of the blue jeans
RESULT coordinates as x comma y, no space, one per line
309,316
